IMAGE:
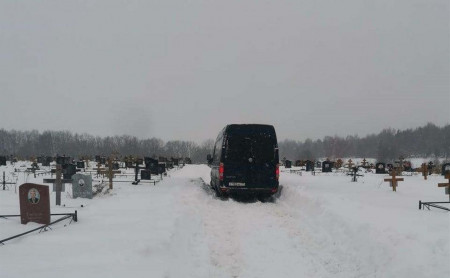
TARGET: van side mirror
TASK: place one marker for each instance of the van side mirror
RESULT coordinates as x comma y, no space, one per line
209,159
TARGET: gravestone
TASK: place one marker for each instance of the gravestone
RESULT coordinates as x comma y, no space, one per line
390,167
81,186
161,168
430,168
116,166
34,203
68,170
140,161
309,165
175,161
152,165
97,158
187,160
327,167
162,159
145,175
80,164
318,164
40,159
61,160
446,169
2,160
380,168
47,161
287,164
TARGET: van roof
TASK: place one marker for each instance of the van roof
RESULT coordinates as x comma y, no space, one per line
232,128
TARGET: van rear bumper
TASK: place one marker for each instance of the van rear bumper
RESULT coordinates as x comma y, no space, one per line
252,190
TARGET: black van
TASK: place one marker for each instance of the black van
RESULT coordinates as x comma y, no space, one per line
245,160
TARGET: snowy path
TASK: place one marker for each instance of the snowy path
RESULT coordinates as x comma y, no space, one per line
321,226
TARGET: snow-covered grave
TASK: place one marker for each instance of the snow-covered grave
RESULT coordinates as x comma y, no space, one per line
320,226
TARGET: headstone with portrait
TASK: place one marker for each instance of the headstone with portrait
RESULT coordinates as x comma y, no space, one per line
34,203
81,186
380,168
326,167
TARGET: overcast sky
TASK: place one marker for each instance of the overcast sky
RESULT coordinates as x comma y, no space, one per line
184,69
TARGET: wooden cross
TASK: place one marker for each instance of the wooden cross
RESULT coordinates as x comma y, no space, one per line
99,169
364,162
394,180
350,164
339,163
110,172
447,185
424,171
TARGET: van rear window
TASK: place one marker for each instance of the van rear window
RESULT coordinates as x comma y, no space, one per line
259,147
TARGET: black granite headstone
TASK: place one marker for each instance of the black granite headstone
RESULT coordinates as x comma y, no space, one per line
327,167
380,168
309,165
145,175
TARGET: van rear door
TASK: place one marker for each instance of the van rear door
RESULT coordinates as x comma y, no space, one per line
250,160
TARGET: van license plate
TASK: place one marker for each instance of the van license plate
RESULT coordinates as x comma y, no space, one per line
236,184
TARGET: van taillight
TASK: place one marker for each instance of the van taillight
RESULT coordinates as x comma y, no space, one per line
221,169
277,171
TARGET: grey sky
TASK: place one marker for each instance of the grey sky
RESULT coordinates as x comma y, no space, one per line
184,69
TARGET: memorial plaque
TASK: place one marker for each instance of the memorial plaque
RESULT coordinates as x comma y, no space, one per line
34,203
81,186
380,168
145,175
327,167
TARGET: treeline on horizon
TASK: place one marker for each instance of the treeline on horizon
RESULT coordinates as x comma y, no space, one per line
388,145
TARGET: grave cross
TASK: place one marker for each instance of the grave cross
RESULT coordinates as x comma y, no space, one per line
58,183
99,169
350,164
354,174
4,181
446,185
110,172
394,181
424,171
364,162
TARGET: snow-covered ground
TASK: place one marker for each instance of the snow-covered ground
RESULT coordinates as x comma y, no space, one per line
320,226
